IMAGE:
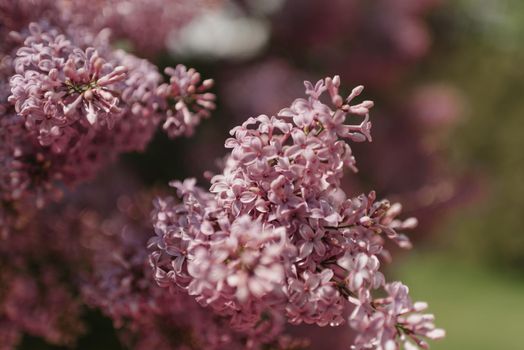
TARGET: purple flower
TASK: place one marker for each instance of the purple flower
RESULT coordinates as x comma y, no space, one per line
276,229
187,99
393,321
73,104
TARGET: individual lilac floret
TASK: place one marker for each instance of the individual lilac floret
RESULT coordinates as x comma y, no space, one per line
276,236
187,100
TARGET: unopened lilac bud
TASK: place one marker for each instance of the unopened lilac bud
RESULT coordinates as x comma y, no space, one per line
354,93
410,223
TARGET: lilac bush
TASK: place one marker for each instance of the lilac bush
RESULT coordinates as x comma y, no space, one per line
275,240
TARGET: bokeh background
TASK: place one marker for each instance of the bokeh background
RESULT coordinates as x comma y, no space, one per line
447,79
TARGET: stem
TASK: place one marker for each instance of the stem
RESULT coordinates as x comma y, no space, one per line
340,227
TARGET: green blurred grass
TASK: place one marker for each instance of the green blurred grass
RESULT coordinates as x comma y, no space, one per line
480,308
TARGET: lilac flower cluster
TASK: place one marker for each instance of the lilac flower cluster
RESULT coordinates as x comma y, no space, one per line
190,101
59,88
73,104
277,238
388,317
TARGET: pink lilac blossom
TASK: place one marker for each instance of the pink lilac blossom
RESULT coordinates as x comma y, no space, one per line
276,236
387,323
188,98
70,108
59,86
19,163
236,270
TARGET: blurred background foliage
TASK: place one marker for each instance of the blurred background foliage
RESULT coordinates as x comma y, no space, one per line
469,262
472,270
482,54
